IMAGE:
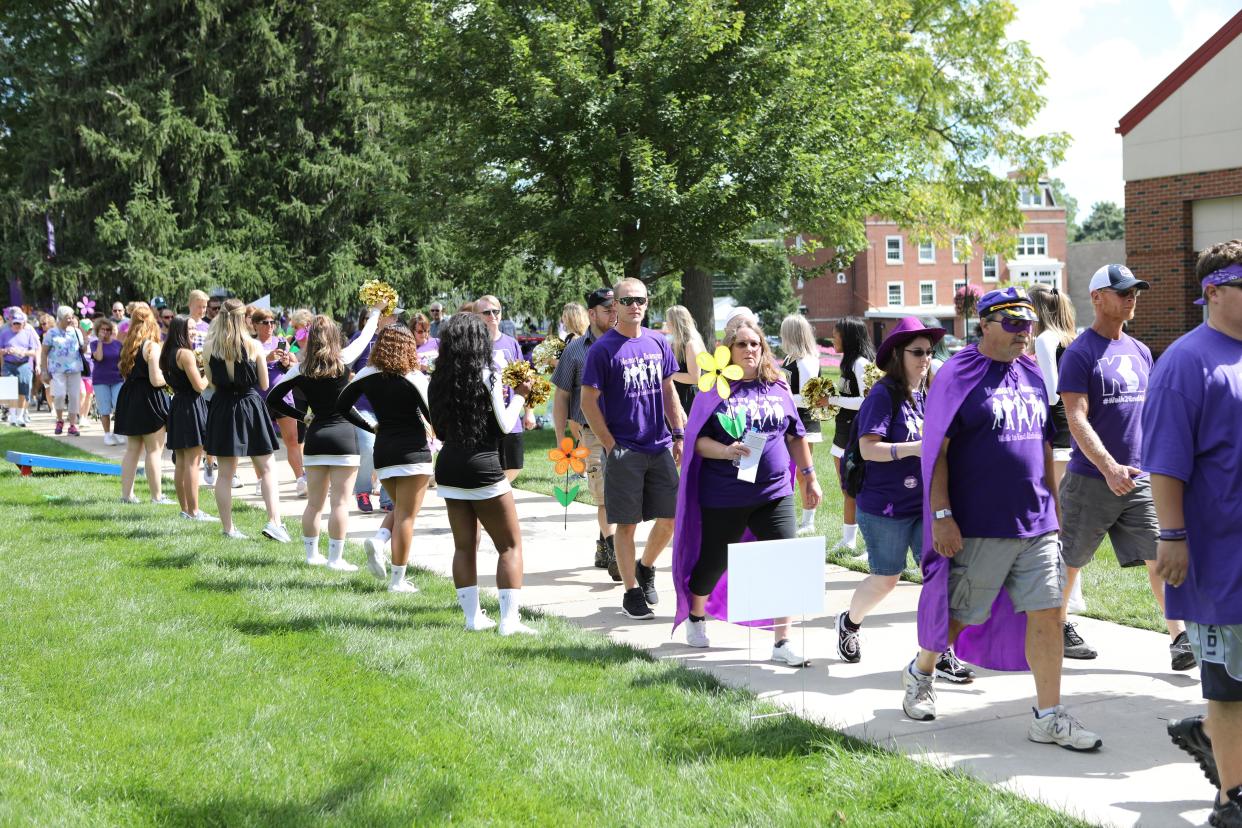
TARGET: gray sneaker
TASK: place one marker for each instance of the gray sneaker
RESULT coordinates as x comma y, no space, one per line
1062,729
1075,647
920,701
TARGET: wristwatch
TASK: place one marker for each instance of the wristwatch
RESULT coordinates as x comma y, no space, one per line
942,514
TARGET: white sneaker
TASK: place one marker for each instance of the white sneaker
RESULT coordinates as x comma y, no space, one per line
377,557
237,484
203,517
234,534
276,532
1063,729
258,488
481,623
696,633
316,560
341,565
786,654
920,700
131,499
107,434
300,486
209,475
163,501
806,529
402,586
187,516
516,627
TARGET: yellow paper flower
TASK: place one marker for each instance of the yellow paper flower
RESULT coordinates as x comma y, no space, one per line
718,371
568,457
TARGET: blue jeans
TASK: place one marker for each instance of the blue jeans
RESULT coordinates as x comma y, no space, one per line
888,539
366,461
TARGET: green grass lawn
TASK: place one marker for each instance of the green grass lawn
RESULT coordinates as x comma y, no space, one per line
154,673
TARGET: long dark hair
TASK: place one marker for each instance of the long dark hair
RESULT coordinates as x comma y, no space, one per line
895,372
178,338
855,343
461,406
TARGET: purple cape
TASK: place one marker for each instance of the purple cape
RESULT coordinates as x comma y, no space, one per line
688,528
1000,642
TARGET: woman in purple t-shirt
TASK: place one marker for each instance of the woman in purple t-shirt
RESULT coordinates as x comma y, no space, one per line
106,375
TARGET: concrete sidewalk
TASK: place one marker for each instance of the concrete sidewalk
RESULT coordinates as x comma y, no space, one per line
1126,695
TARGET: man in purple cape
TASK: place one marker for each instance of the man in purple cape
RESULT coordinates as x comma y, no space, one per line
992,569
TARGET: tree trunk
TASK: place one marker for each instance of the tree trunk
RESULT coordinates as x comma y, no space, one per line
697,296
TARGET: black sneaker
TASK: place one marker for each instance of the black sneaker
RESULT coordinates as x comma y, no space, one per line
849,649
614,571
1228,815
1075,647
950,669
601,553
1188,735
1180,654
634,604
646,580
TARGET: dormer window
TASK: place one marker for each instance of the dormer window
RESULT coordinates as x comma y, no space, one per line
1040,196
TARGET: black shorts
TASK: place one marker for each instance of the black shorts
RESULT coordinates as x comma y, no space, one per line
512,448
1218,649
845,419
639,487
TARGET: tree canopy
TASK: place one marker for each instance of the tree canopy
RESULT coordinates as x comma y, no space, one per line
1107,222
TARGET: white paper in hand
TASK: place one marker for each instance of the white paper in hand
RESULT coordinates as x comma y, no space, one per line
748,466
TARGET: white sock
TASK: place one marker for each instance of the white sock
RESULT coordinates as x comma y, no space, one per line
1044,712
468,598
383,535
916,672
849,533
808,517
311,545
336,548
398,575
509,602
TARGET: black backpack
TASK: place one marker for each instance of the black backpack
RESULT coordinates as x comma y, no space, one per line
853,467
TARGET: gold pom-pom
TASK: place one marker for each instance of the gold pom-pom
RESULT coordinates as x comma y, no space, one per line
517,373
871,375
540,392
546,354
375,293
815,394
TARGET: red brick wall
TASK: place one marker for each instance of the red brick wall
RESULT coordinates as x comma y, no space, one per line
1160,249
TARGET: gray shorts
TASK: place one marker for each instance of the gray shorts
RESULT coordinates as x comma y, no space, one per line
639,487
1219,651
1090,510
1029,568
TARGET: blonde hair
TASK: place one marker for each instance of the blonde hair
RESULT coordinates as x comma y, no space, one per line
768,372
1055,312
301,318
142,329
798,337
487,297
321,355
229,338
575,318
679,324
198,296
629,282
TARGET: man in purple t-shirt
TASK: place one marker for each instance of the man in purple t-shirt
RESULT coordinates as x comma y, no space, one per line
1192,448
1104,492
629,402
995,515
505,349
20,345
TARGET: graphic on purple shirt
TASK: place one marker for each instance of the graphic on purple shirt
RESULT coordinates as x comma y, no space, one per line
996,456
26,339
106,371
429,352
892,489
763,408
630,374
1114,376
1190,432
274,369
505,350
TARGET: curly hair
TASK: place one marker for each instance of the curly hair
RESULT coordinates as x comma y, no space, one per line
461,405
142,329
394,351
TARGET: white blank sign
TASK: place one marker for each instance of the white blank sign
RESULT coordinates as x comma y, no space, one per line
8,389
774,579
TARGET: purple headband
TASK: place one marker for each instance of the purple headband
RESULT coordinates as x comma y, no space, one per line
1227,274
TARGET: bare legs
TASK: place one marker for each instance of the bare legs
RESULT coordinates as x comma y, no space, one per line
499,519
293,449
407,496
153,445
185,478
265,469
322,483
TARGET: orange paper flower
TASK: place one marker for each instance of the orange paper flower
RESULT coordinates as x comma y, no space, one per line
569,457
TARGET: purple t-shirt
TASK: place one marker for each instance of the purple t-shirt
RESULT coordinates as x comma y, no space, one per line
274,369
429,352
892,489
996,456
769,410
630,374
1113,374
505,350
1190,432
26,339
106,371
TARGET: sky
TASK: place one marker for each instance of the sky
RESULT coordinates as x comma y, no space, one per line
1102,58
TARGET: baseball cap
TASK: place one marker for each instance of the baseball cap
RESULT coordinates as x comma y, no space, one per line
1012,302
1115,277
599,296
18,315
1226,275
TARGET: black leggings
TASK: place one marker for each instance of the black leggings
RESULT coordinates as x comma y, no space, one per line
773,520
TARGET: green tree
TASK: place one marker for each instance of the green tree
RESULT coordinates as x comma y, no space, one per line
1107,222
765,286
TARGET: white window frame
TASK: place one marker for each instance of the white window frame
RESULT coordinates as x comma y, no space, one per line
958,284
901,294
930,257
1031,198
994,266
958,256
1032,244
888,251
927,283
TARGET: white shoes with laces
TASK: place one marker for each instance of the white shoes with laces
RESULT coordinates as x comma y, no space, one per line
696,633
274,531
1060,728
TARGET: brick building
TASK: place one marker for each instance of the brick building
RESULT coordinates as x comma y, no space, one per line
899,275
1182,162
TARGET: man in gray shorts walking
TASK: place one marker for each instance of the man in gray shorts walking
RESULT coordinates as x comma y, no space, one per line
1104,492
630,404
993,511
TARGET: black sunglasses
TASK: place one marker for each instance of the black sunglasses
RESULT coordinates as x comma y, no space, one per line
630,301
492,312
919,353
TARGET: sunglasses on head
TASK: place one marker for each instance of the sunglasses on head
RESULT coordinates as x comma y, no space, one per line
492,312
919,353
630,301
1014,325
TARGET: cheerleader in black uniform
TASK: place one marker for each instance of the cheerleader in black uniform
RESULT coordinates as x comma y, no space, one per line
851,340
397,391
330,454
187,418
237,421
802,364
142,405
469,414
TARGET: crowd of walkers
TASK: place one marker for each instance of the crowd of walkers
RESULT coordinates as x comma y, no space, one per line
1000,469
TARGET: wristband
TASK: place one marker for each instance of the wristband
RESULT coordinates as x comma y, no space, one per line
679,435
893,451
1172,534
808,471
